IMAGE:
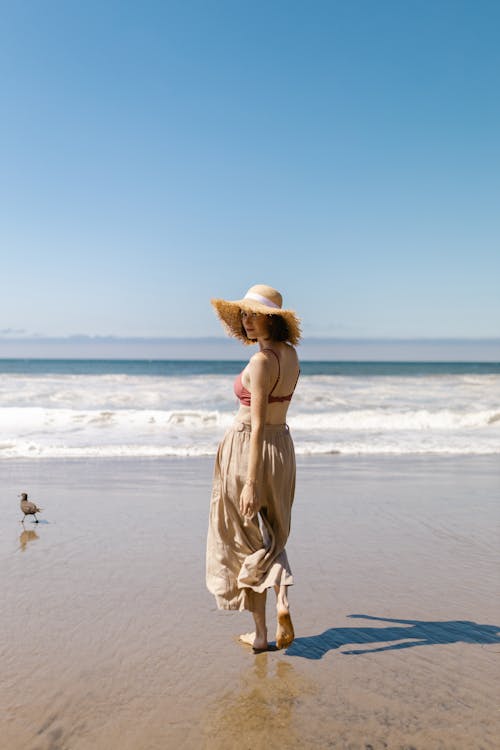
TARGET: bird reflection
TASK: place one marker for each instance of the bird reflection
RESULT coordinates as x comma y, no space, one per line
26,537
267,697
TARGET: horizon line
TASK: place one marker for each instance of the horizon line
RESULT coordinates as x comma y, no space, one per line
105,338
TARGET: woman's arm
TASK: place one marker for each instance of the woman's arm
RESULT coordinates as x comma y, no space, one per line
259,372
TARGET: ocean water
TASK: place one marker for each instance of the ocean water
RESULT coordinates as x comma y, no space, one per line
89,408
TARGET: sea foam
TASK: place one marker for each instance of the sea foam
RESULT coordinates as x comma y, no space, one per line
118,414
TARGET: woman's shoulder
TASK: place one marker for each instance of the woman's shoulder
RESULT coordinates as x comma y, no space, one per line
265,362
260,359
283,355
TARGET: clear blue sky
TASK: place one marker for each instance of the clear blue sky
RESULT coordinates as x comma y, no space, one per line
155,154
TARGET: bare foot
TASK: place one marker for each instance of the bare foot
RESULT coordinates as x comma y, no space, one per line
258,644
284,631
247,638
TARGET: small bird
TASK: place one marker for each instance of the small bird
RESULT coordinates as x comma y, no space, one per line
29,509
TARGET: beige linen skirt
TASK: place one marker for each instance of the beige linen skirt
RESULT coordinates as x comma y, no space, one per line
246,556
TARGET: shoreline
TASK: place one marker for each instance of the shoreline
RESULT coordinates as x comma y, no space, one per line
303,458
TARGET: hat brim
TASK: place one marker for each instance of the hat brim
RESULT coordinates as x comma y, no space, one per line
228,312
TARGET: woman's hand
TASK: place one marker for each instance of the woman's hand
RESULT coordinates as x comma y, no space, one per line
249,501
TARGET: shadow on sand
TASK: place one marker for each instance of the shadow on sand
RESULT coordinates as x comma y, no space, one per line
409,633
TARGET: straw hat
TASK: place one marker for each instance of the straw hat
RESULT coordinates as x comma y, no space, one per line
260,299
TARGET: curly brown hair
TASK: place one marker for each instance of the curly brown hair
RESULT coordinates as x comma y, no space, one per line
278,329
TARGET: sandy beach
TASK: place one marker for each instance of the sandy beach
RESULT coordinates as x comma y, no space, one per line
110,639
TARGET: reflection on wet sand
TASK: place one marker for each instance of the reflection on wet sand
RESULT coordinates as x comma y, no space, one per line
268,695
26,537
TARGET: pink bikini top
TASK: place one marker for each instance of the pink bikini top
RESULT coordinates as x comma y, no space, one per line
244,395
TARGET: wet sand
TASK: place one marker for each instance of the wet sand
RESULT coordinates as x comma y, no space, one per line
110,640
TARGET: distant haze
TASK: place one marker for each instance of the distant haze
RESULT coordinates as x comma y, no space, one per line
328,349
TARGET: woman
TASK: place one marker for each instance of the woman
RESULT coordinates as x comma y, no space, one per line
254,477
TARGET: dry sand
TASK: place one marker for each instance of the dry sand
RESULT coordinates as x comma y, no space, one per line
110,640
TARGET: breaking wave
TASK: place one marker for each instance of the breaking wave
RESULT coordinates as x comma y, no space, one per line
110,415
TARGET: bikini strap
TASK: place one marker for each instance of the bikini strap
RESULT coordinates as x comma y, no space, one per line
295,386
279,370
